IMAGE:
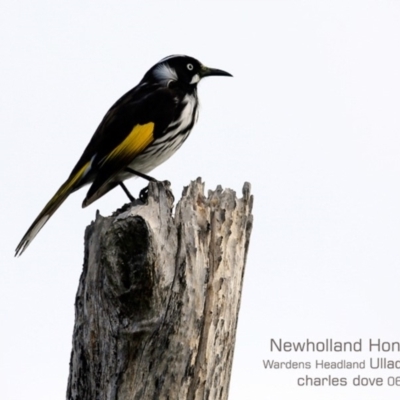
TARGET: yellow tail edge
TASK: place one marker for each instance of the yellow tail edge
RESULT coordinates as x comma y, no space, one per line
50,208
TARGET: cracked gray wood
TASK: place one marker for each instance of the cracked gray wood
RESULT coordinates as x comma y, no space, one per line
158,300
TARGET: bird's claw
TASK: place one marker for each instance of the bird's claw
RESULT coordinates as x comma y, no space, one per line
144,194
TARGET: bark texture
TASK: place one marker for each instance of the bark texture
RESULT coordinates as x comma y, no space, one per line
159,296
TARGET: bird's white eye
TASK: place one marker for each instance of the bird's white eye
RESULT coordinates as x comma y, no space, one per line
190,67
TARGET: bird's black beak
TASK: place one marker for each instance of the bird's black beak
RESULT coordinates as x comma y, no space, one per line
205,71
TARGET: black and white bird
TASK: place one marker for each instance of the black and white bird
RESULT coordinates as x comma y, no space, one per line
144,128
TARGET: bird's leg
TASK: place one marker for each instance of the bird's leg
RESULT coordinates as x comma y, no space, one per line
144,176
144,193
131,198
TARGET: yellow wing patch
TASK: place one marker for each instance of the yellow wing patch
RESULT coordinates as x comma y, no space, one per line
138,139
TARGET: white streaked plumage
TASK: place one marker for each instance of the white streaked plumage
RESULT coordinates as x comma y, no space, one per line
164,72
163,148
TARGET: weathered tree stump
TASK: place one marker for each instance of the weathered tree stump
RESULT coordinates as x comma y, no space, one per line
159,296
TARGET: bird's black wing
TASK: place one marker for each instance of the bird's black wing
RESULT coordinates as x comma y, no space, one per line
139,106
128,128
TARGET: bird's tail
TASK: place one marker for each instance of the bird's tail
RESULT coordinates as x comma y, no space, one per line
50,208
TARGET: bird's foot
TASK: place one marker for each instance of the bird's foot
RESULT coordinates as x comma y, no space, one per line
144,194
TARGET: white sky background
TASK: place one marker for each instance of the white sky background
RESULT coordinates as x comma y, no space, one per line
311,119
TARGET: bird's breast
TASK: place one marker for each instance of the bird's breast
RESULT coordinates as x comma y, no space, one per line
172,137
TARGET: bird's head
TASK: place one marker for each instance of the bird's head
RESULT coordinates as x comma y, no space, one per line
182,69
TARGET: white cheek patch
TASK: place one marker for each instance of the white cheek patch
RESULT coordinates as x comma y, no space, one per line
195,79
165,72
